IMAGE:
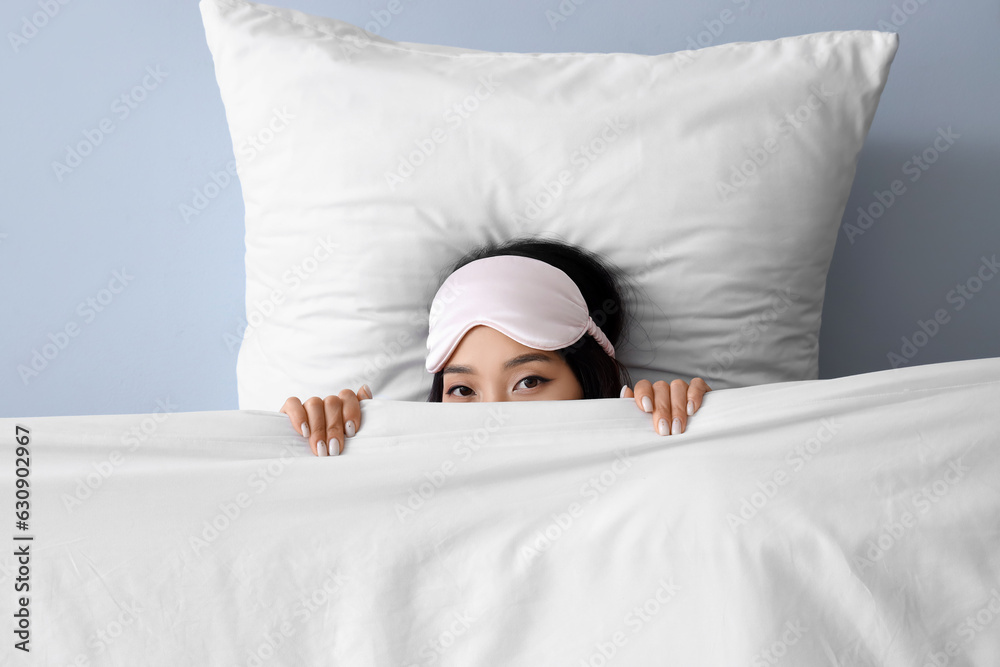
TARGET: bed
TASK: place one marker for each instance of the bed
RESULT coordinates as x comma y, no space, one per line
848,521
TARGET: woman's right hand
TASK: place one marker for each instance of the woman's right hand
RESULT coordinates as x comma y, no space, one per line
325,421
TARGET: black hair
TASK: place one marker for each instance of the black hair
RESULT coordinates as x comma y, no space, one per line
601,284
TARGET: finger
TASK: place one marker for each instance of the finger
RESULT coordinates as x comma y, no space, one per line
364,392
317,424
661,407
644,395
696,391
297,415
351,411
678,395
626,392
334,424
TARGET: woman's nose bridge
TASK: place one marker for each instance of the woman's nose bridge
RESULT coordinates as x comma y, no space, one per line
495,396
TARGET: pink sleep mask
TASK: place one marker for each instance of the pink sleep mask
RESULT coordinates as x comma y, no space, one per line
526,299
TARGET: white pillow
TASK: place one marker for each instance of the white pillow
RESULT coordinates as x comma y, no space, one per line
717,178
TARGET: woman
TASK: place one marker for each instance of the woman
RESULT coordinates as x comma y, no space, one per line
525,320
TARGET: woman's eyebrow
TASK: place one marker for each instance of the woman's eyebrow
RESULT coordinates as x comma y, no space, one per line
525,358
510,363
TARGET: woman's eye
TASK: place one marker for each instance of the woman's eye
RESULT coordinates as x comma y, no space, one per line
451,392
539,381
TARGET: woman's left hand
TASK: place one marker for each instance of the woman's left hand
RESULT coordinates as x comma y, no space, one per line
671,404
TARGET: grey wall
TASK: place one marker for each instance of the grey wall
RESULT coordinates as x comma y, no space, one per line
160,336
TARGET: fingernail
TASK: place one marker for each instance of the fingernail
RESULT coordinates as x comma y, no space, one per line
349,427
334,447
677,427
647,404
305,430
690,408
662,427
368,390
622,395
321,448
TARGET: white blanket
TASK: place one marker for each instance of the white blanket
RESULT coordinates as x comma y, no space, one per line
853,521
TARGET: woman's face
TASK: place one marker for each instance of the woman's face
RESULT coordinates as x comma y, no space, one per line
488,366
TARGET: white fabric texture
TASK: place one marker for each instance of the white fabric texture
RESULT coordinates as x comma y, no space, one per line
850,521
715,178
